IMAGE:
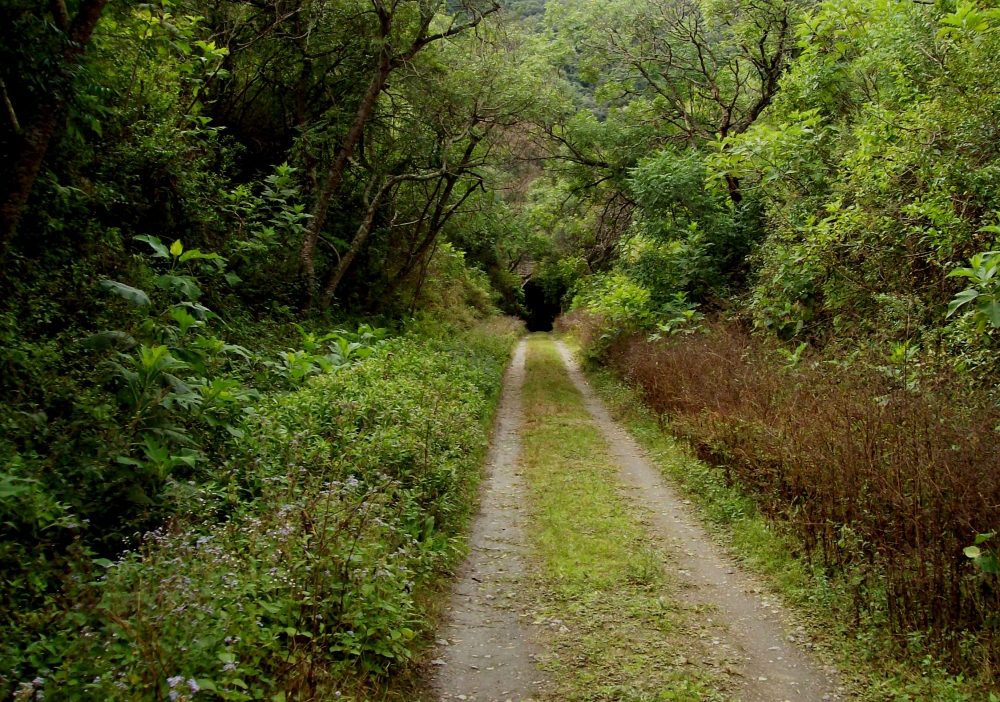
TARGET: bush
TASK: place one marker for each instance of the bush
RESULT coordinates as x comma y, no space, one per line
341,502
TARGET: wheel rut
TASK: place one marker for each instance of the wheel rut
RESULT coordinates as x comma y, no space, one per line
484,652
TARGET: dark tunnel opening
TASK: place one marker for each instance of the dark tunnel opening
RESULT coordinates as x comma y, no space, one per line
541,310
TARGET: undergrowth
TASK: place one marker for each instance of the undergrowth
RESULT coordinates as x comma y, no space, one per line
296,573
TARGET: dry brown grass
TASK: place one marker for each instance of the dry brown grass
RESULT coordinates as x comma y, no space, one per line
884,485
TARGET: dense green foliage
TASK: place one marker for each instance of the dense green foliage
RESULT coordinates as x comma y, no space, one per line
205,205
297,565
823,174
164,167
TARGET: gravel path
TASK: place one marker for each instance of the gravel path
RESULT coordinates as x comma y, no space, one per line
483,650
749,635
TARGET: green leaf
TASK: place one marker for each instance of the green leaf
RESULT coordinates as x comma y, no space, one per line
176,248
972,551
159,249
134,295
196,254
991,308
184,284
232,278
183,318
103,562
9,489
988,563
980,538
962,298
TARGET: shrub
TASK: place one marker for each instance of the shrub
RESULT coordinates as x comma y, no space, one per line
343,499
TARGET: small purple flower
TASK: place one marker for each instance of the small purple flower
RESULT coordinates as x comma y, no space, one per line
175,681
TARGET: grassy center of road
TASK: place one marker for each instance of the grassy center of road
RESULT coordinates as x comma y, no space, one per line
609,623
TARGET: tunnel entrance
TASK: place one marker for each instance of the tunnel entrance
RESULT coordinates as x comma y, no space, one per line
541,311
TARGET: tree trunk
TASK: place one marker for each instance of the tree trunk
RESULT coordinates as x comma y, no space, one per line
437,224
19,175
360,237
733,184
307,255
364,230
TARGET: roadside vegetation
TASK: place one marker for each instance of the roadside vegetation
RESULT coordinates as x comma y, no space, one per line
870,657
296,567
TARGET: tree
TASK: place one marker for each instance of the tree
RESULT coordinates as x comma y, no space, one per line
396,46
53,44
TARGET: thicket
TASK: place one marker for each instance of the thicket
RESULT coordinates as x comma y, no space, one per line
296,569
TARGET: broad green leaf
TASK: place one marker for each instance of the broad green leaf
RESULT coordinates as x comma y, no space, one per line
972,551
991,308
134,295
176,248
183,318
159,249
988,563
962,298
184,284
196,254
10,488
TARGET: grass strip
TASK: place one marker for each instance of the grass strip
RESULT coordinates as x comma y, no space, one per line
607,618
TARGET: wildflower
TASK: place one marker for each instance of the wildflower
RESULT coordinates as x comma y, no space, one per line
175,681
193,684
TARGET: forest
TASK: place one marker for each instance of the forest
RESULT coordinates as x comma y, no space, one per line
263,264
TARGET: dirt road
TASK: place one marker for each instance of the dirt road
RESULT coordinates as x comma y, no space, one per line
486,650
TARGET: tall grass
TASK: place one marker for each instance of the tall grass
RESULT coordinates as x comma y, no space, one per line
885,472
